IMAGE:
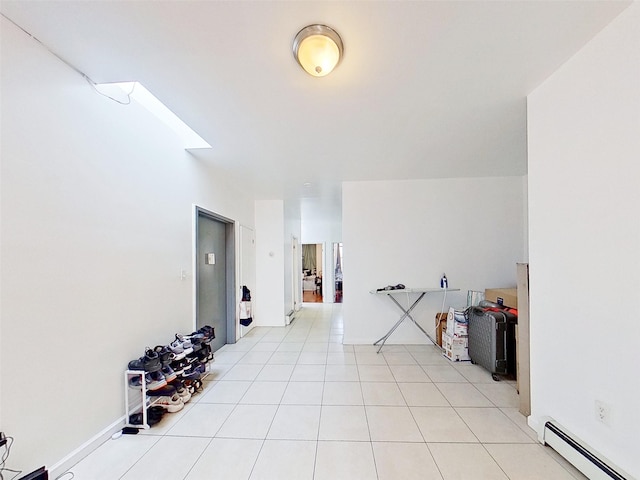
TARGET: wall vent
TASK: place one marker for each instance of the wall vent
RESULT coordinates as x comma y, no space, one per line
594,466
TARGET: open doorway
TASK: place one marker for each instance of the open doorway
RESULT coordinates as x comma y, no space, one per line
337,268
312,261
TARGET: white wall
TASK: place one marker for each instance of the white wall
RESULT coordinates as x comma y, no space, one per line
411,232
270,276
97,208
291,230
584,172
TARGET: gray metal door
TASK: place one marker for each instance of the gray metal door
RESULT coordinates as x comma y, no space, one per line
211,266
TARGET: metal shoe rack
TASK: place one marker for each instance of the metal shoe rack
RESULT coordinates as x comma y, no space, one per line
138,402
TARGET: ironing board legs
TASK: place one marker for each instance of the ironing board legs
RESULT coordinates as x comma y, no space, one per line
406,314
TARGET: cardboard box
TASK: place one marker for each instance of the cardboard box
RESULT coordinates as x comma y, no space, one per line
503,296
455,325
455,348
441,326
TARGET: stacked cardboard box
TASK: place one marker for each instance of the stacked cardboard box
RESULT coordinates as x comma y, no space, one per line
456,349
455,342
503,296
441,326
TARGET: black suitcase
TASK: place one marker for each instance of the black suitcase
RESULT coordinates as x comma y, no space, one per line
492,340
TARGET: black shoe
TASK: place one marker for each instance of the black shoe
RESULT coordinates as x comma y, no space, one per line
154,415
204,353
151,361
178,366
157,381
165,354
208,333
166,391
136,364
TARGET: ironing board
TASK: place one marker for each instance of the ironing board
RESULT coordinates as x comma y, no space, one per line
406,313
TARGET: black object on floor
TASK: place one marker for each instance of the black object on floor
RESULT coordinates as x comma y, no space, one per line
130,431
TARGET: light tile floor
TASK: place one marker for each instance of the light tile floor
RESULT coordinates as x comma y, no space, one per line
294,403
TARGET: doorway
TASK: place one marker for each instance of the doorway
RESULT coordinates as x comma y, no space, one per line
296,273
312,262
337,268
215,276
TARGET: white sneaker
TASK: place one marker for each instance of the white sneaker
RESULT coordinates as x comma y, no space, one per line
171,404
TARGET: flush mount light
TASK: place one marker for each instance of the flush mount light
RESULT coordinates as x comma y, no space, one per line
318,49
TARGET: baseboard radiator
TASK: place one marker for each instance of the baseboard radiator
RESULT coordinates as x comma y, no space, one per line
288,318
594,466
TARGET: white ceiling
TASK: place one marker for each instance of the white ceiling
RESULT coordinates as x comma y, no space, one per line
425,90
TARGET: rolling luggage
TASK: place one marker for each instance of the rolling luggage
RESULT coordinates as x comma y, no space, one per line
492,340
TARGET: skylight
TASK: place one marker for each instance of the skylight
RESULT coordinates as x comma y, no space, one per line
136,91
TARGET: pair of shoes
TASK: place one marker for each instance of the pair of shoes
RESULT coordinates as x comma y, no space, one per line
181,347
154,415
150,362
152,380
167,390
178,366
165,354
193,385
205,354
168,373
208,333
180,389
171,403
155,380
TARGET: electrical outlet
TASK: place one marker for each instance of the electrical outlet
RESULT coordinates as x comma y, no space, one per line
603,412
3,439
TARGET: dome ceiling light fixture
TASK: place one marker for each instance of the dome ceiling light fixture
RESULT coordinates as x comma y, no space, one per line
318,49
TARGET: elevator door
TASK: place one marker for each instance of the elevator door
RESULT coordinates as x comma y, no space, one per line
211,308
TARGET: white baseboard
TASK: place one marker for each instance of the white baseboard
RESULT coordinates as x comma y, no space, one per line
85,449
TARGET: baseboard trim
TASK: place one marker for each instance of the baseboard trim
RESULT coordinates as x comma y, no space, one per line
86,448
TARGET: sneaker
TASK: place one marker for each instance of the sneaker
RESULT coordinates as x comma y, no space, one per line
201,368
177,349
185,395
165,354
178,366
157,381
171,404
168,373
193,385
154,415
192,359
135,381
166,391
206,354
195,374
196,338
187,346
136,365
207,331
151,361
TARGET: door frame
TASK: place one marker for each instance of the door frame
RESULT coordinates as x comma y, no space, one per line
230,272
296,273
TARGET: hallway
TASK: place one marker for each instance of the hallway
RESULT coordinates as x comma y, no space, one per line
294,403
